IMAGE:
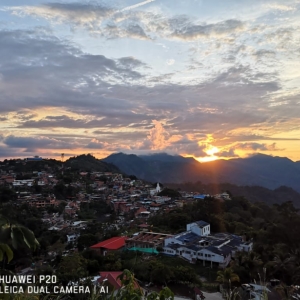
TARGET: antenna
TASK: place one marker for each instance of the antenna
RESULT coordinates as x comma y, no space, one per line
62,163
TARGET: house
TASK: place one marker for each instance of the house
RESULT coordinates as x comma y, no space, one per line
113,280
142,213
144,227
255,291
72,238
110,245
79,224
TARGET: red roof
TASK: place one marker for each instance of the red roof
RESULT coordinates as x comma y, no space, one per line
113,279
141,210
111,244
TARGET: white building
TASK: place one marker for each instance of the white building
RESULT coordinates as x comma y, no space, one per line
158,189
200,228
23,182
198,244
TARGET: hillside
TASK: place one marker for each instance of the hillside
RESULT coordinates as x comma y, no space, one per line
259,170
252,193
87,162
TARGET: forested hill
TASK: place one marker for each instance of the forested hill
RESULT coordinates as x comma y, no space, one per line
252,193
84,162
87,162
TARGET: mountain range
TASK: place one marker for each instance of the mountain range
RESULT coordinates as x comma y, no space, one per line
259,170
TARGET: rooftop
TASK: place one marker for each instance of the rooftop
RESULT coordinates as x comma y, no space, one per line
111,244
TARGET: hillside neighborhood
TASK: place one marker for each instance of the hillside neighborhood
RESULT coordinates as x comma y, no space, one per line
124,208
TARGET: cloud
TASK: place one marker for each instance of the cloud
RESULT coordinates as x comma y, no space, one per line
280,7
256,147
230,153
78,14
109,22
95,18
170,62
193,31
158,137
188,147
30,58
35,143
109,95
236,81
96,144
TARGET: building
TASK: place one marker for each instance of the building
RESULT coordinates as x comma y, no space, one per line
198,244
142,213
35,158
147,241
201,196
110,245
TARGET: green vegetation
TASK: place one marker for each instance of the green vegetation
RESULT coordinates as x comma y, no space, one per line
89,163
169,193
274,230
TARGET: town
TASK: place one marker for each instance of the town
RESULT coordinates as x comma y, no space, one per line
113,219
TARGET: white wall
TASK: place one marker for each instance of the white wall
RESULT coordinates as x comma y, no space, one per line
169,241
205,254
169,251
198,230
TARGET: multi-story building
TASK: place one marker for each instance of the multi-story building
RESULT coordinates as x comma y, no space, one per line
198,244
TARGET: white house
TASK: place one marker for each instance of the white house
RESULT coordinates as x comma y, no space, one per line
72,237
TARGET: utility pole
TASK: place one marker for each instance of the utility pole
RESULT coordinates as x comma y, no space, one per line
62,164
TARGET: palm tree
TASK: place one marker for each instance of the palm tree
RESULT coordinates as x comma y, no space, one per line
227,275
295,264
251,263
14,235
281,264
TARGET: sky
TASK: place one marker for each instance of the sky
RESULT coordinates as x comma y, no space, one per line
203,78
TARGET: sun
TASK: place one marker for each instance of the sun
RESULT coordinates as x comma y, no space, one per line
211,151
206,158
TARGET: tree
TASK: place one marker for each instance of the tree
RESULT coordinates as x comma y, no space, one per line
169,193
132,291
249,261
86,240
227,276
7,194
72,268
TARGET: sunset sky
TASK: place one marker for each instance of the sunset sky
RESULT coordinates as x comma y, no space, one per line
203,78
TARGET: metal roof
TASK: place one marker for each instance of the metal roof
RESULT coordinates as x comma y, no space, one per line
202,223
